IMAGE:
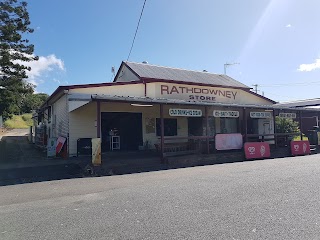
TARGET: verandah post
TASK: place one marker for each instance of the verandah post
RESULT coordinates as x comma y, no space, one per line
98,119
162,130
207,129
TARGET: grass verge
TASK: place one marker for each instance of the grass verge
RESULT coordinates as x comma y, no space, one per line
19,121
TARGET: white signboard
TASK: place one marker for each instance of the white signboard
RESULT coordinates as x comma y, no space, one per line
260,114
176,112
227,114
51,147
287,115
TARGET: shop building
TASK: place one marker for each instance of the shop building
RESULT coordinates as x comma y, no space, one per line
164,109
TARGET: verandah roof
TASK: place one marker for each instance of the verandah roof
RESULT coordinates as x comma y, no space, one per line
147,100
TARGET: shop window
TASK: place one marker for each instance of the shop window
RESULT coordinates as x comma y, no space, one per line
170,126
229,125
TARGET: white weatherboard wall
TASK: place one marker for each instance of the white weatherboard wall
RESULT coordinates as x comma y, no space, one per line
126,75
60,119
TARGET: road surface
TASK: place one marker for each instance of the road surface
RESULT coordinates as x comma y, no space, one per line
269,199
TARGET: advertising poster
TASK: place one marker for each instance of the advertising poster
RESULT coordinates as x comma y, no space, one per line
51,147
228,141
96,151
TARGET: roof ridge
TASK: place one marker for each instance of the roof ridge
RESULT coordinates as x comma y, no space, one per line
198,71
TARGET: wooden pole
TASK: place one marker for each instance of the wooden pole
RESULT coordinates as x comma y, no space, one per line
98,119
207,129
300,125
275,129
245,123
162,130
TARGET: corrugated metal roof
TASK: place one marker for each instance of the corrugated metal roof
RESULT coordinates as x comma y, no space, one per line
301,103
174,74
147,100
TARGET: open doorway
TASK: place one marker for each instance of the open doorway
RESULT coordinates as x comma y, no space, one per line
124,124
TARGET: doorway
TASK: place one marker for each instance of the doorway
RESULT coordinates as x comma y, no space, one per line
124,124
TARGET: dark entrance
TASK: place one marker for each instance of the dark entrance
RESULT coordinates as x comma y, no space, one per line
126,125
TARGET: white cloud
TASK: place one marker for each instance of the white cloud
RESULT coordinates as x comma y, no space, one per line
310,67
44,65
288,25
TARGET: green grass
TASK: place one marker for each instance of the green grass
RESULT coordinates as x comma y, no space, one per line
19,121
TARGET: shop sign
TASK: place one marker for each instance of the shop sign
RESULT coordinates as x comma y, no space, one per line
287,115
228,114
176,112
256,150
260,114
198,93
300,148
228,141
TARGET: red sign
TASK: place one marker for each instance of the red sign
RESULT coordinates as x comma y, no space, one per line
300,148
60,143
254,150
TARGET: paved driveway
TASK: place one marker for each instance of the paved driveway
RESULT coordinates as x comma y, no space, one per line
269,199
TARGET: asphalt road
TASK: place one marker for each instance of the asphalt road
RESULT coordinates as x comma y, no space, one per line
269,199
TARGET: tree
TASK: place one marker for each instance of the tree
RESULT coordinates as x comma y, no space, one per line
33,102
15,50
286,125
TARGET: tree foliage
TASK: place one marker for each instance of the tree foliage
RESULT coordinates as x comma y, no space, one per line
33,102
286,125
15,50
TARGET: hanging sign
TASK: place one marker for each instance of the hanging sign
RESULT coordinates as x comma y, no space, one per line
176,112
260,114
287,115
227,114
256,150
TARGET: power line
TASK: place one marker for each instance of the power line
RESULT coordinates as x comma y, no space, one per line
134,38
291,84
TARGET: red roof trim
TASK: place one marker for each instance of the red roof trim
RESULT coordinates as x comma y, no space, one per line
263,97
149,80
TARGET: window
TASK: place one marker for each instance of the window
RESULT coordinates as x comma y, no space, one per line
229,125
170,127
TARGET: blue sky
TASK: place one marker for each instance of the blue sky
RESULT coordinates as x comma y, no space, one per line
276,42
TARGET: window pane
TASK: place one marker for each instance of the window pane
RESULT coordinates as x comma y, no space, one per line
170,127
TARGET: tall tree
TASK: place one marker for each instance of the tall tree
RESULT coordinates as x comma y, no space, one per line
15,51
